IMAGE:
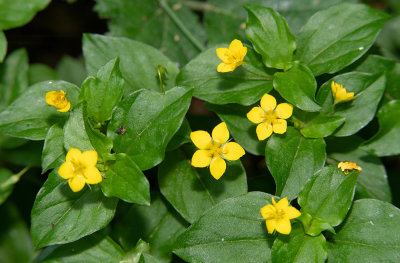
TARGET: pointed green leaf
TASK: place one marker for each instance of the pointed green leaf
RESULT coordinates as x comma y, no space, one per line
270,35
62,216
181,137
53,154
321,126
292,160
337,36
192,191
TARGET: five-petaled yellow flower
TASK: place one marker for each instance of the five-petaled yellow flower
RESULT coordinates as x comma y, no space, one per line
277,216
348,166
80,168
58,100
231,57
339,93
213,151
269,117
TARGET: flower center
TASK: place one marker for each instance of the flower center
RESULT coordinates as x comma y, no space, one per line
270,116
280,214
78,168
215,149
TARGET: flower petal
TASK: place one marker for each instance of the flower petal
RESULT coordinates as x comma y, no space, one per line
268,211
263,130
66,170
279,126
74,155
282,204
284,110
201,139
66,108
268,102
232,151
291,212
256,115
89,158
220,133
237,50
93,175
217,167
225,55
201,158
76,183
50,97
223,67
271,225
283,226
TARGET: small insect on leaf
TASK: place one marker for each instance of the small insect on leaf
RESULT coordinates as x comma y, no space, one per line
121,130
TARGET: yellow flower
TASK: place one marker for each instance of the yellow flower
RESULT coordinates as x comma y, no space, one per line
346,166
277,216
269,117
339,93
80,168
58,100
231,57
214,150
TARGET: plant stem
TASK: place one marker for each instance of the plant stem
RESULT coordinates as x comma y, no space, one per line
181,26
15,178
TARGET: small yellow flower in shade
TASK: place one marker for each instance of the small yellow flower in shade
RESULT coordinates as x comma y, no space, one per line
269,117
348,166
339,93
231,57
277,216
58,100
80,168
213,150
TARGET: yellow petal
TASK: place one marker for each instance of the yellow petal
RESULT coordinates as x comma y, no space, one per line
201,158
279,126
237,50
89,158
217,167
283,226
50,97
93,175
201,139
66,170
232,151
268,102
66,108
268,211
256,115
74,155
284,110
220,133
271,225
223,67
225,55
263,130
282,204
76,183
291,212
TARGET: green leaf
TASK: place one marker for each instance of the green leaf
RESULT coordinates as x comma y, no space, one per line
91,249
134,255
337,36
3,46
125,180
328,195
213,238
17,13
181,137
40,72
270,35
72,70
29,116
138,61
192,191
372,182
245,85
103,92
371,232
150,119
146,258
13,77
242,130
148,22
61,216
292,160
297,86
6,186
299,247
321,126
53,154
27,154
368,91
386,141
157,224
